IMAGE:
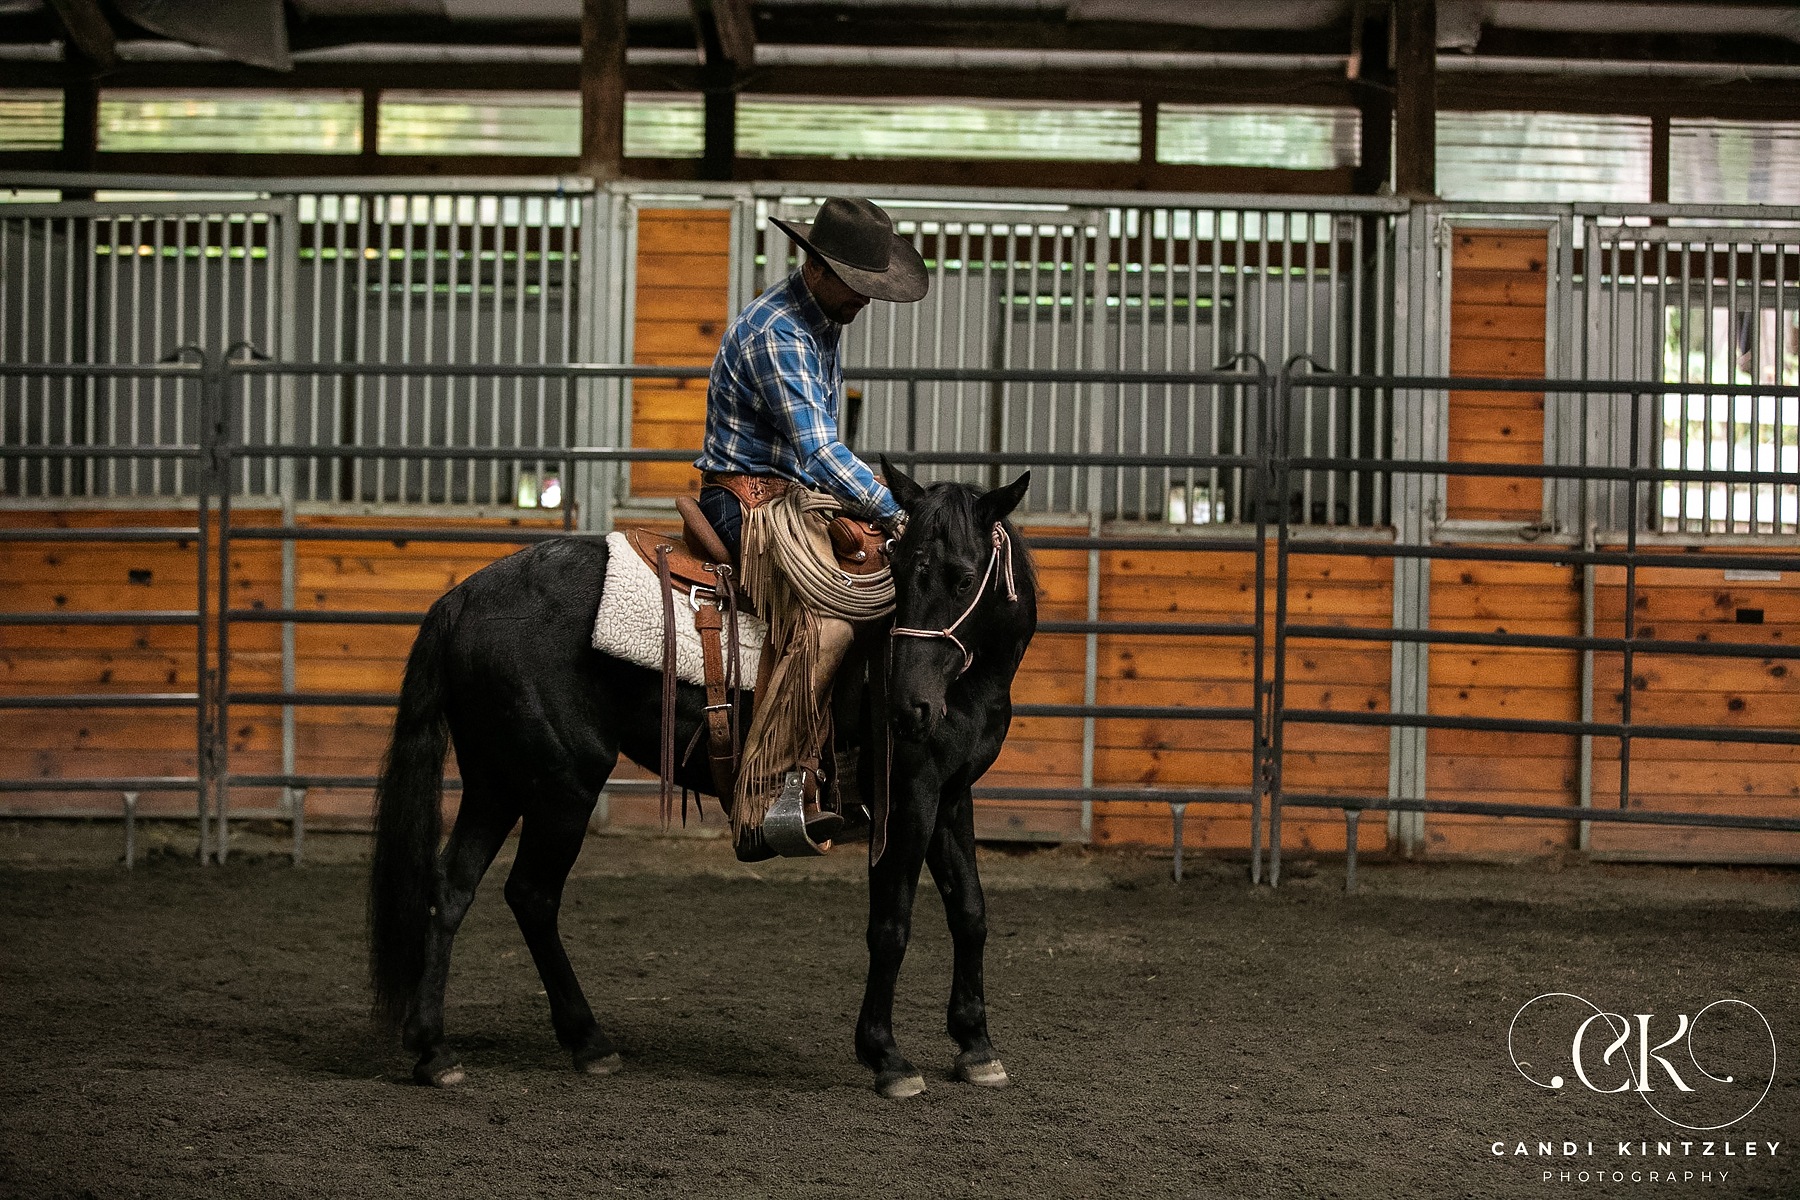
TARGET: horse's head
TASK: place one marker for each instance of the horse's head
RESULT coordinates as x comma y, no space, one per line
963,588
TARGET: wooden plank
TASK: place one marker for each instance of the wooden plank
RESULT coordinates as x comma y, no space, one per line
1516,321
1476,286
1499,250
1495,357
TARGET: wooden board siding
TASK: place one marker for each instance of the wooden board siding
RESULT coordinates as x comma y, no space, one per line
1700,605
683,288
1497,321
1210,586
1493,681
58,576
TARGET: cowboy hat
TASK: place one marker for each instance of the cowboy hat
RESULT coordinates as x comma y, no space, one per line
857,238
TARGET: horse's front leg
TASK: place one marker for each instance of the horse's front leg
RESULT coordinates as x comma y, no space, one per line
951,856
892,884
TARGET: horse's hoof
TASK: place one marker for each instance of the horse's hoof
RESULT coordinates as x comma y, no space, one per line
982,1071
440,1077
606,1064
898,1085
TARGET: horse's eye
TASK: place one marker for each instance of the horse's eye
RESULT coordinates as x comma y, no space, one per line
964,584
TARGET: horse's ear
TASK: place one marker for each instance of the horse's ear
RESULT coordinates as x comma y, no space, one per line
906,492
998,503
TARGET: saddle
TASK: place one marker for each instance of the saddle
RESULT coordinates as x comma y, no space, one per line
696,568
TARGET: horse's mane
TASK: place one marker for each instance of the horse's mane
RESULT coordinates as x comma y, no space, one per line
949,508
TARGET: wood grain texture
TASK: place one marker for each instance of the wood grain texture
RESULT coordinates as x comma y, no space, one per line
1497,312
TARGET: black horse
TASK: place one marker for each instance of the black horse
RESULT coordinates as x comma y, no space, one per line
503,667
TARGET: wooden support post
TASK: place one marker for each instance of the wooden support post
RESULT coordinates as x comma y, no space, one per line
1374,77
1147,139
1415,98
81,126
1659,159
371,122
603,89
718,158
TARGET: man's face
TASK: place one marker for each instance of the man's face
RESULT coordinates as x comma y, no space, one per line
837,299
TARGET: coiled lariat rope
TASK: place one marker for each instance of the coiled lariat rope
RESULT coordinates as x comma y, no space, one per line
791,576
788,534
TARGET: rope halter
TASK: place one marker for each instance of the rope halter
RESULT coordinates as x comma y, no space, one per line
1001,559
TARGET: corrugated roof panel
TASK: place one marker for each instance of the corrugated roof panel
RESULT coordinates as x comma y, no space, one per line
1300,137
657,124
1734,162
809,127
30,119
248,122
1542,156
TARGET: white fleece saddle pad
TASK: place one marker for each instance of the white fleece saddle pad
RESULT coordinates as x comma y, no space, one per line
629,624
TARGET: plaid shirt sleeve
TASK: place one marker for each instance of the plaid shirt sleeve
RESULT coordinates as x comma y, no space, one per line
792,382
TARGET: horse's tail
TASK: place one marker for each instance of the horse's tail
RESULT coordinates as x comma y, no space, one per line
403,875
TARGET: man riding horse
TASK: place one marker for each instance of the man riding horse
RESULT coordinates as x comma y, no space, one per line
772,425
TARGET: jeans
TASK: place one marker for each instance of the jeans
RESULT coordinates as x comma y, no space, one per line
726,513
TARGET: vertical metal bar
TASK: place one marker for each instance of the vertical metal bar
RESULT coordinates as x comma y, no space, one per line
1216,393
1261,717
1353,484
69,325
316,382
518,384
1056,291
384,209
432,391
134,432
1177,819
180,432
1279,435
224,437
1631,540
543,346
1351,821
131,803
497,353
298,803
90,389
1755,402
1331,352
283,268
356,433
406,306
1090,679
1008,318
1388,229
1031,319
1728,369
1237,425
340,293
962,359
453,269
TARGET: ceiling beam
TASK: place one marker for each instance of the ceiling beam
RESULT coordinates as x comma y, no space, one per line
89,31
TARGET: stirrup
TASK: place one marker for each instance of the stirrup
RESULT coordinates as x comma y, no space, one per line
784,827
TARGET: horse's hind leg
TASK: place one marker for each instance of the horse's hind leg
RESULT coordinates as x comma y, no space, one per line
951,856
482,823
548,844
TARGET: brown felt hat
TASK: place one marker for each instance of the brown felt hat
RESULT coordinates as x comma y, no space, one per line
857,238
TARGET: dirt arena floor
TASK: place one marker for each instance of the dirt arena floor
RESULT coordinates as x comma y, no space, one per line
180,1031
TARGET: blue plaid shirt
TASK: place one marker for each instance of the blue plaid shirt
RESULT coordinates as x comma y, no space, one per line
772,401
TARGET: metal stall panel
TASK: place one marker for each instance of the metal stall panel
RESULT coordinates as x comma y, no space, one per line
1684,304
132,282
413,275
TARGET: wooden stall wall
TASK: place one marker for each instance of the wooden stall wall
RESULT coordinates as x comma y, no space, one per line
1498,290
72,577
1700,605
1497,312
682,301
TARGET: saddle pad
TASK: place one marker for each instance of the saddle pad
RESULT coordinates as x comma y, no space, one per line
629,624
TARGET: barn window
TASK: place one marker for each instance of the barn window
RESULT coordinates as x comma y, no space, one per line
1734,162
243,122
806,127
1299,137
657,124
1529,156
30,119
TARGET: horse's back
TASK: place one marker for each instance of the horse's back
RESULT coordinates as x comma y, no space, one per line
523,672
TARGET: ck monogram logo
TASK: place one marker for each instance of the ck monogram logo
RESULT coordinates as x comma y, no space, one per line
1643,1053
